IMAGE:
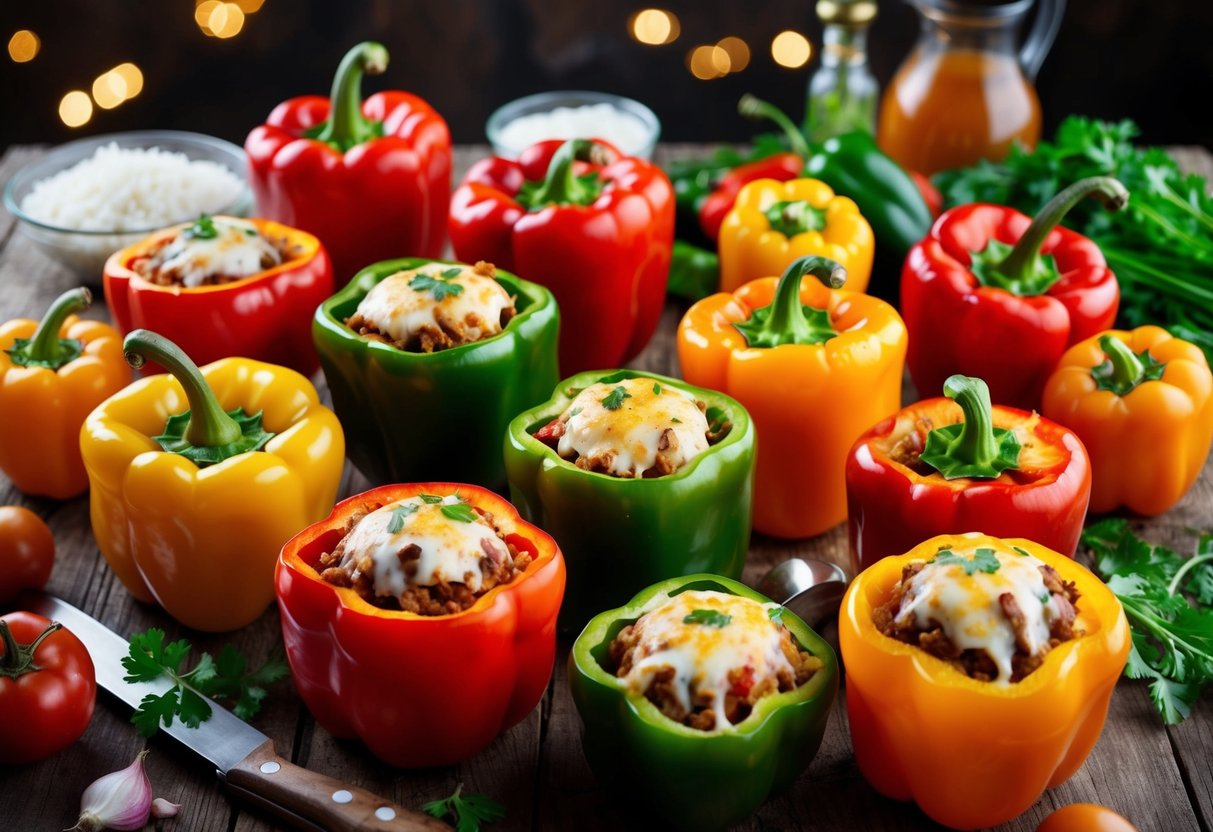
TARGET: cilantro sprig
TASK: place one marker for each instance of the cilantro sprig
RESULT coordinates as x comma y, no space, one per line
1168,600
202,229
467,810
438,284
983,560
614,399
708,618
226,677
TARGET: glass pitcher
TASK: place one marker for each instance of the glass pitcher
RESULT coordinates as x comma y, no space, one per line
965,92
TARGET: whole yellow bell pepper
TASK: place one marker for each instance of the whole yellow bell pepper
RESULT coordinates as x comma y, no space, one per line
200,476
52,374
972,753
773,223
1142,403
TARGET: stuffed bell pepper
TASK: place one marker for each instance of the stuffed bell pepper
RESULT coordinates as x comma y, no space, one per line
700,697
198,477
814,366
639,477
993,293
1142,403
371,179
421,619
223,287
955,464
428,361
593,226
979,672
53,372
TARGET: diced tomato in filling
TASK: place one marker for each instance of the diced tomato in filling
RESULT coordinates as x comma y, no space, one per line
743,682
550,433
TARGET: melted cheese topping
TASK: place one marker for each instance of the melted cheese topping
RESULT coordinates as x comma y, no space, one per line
703,655
967,609
238,250
631,434
451,550
401,312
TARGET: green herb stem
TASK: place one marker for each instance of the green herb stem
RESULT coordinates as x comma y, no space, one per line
755,108
1188,566
1196,243
346,126
1159,280
1157,627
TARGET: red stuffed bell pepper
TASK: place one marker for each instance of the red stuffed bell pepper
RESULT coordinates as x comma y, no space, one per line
371,179
593,226
993,293
426,671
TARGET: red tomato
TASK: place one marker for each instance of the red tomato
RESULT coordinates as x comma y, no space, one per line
27,552
1085,817
42,710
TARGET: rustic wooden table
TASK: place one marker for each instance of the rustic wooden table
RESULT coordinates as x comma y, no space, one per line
1160,778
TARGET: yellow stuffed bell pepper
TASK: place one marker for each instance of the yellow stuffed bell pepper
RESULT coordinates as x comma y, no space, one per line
773,223
52,374
977,750
199,477
1142,404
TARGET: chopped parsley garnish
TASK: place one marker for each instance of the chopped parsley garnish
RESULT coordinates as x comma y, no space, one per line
1044,598
708,618
398,514
460,511
614,399
430,499
454,271
203,229
1020,551
983,560
437,285
656,389
776,614
676,420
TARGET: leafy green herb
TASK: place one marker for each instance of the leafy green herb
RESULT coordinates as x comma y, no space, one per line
614,399
202,229
467,810
437,285
1168,600
1021,551
708,618
447,274
983,560
676,420
776,614
1044,598
226,677
398,514
656,389
574,412
430,499
461,512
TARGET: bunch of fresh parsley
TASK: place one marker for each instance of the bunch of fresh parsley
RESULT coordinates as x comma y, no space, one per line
1160,247
225,677
467,810
1168,600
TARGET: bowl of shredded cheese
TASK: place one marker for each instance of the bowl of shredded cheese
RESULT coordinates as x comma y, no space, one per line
86,199
573,114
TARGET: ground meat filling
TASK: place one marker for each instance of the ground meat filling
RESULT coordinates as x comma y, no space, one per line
686,691
976,662
499,562
448,320
238,250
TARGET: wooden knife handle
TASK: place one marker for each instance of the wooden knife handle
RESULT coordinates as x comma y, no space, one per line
308,800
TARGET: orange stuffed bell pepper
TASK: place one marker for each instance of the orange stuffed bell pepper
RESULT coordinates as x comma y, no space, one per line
52,373
814,366
198,478
1142,403
772,223
424,667
975,737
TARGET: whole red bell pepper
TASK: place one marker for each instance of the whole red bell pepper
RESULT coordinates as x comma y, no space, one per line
993,293
420,690
781,167
593,226
371,179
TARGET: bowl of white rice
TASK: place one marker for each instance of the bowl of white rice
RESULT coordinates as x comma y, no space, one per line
86,199
573,114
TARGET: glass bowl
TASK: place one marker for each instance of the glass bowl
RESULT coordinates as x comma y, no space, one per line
85,252
641,144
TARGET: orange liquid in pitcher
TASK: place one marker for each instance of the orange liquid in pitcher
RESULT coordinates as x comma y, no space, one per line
949,109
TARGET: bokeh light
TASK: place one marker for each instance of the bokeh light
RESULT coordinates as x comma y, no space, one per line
109,90
250,6
219,20
791,49
707,62
75,108
133,77
654,26
738,51
23,46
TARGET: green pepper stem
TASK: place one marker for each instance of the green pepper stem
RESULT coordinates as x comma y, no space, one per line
975,445
561,186
18,659
785,320
346,126
209,425
1024,256
44,346
790,218
1127,369
756,109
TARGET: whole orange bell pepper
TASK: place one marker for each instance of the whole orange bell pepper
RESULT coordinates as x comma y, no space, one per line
1142,403
772,223
972,753
814,366
199,476
52,374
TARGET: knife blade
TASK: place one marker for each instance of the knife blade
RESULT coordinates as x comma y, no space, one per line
243,757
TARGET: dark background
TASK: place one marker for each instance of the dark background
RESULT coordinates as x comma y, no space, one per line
1149,60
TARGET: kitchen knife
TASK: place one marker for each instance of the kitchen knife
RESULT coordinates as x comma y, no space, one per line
243,757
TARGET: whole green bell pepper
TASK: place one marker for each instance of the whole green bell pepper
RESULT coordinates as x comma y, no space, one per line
420,417
694,779
619,535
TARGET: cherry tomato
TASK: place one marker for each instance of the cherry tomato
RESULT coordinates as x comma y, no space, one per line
1085,817
47,688
27,552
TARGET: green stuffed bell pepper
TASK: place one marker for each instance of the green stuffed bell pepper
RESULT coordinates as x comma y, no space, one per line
758,681
428,361
639,477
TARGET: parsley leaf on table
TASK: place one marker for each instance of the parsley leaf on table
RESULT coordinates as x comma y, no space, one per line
226,677
468,810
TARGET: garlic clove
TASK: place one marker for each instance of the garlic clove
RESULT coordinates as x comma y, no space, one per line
121,800
162,808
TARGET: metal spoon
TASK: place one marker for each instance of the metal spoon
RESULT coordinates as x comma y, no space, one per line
812,589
